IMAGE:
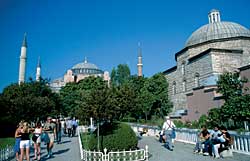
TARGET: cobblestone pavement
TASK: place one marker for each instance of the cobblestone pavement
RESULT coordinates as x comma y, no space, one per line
67,151
182,152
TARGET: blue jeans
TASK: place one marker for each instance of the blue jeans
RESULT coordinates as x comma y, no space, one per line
168,134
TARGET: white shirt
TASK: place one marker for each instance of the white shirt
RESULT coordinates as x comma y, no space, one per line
168,125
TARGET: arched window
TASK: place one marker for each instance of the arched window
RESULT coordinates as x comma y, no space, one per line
196,80
183,68
174,88
184,85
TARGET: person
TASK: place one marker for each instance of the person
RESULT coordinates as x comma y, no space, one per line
69,127
207,143
50,129
168,126
25,142
215,135
74,126
58,131
37,140
200,140
18,140
224,139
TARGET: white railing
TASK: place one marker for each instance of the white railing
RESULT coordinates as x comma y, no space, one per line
241,142
6,153
131,155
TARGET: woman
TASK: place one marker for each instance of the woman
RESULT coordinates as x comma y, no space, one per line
18,139
37,141
25,142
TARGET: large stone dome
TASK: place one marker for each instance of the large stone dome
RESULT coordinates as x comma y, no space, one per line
86,68
217,30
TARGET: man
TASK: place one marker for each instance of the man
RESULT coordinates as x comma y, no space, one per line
168,128
50,129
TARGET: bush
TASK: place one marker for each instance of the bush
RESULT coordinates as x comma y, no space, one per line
6,141
115,136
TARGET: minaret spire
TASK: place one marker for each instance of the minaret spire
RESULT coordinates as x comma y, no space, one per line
22,65
85,60
38,70
139,65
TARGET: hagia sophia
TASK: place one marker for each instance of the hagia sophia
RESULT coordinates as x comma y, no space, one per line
214,48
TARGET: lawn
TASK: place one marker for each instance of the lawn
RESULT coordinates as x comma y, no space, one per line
85,137
6,141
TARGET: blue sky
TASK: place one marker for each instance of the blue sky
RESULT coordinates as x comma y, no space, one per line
64,32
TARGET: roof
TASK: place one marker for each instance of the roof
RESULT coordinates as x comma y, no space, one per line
85,65
215,31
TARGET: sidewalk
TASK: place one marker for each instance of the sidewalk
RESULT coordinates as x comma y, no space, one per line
67,151
182,152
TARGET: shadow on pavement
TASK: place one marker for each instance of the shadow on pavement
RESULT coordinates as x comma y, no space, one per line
60,151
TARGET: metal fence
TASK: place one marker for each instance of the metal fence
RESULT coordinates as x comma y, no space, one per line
241,141
7,153
130,155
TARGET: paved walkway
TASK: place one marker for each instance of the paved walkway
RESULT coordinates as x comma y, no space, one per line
67,151
182,152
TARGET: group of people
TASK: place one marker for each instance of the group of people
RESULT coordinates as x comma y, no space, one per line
214,142
208,143
48,132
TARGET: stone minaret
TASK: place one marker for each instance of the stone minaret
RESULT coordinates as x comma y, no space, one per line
139,65
214,16
22,66
38,70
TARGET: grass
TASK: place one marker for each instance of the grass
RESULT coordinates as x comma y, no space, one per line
85,137
6,141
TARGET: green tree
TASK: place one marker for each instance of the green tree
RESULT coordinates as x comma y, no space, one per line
28,101
120,75
236,106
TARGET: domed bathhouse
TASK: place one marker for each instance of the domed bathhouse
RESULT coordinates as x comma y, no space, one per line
214,48
79,72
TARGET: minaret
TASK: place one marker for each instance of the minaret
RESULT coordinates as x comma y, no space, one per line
38,70
139,65
22,66
214,16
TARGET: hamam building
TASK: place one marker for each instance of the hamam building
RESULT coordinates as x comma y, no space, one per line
214,48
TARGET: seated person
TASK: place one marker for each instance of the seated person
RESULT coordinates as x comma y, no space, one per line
200,140
223,144
144,131
215,135
207,143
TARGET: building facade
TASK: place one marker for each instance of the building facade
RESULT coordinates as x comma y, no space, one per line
214,48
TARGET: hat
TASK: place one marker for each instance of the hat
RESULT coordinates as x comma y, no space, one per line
167,117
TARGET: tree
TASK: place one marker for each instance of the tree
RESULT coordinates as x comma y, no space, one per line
236,106
29,101
120,75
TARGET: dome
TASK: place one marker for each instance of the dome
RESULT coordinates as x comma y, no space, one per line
86,68
216,29
85,65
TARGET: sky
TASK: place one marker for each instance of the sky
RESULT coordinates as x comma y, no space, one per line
107,32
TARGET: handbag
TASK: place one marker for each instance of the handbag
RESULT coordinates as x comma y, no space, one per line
34,138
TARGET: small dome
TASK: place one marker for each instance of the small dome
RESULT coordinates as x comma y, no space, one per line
215,31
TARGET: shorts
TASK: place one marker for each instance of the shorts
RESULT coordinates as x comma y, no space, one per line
38,140
24,143
51,137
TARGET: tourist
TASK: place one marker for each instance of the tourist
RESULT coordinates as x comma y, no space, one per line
58,131
17,140
25,142
50,129
200,140
69,127
224,139
74,126
215,135
168,127
37,141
